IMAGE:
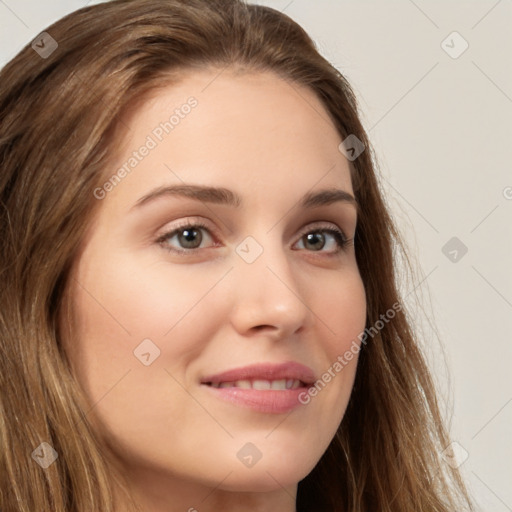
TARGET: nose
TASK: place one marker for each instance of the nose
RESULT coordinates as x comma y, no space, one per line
269,297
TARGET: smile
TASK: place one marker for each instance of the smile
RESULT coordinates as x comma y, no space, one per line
265,387
281,384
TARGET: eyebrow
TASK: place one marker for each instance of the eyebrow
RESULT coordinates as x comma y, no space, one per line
225,196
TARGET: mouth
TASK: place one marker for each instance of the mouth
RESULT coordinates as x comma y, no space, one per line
261,385
264,387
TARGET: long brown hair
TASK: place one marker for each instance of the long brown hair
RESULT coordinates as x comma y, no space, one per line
59,115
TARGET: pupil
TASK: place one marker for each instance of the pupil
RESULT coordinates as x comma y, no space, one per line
317,237
188,238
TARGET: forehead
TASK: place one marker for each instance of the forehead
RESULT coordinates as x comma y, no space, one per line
238,130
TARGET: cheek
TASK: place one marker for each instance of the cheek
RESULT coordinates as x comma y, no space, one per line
341,312
126,309
134,300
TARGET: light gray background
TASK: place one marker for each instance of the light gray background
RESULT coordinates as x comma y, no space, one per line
442,128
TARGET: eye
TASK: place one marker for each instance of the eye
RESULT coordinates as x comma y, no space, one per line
317,239
189,236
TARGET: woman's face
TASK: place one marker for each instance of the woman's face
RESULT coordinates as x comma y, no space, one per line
266,290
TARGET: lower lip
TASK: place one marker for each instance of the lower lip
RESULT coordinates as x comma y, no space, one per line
267,401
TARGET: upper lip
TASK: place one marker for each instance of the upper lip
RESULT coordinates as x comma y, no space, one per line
264,371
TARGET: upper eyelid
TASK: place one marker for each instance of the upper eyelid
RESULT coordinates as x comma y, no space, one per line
321,224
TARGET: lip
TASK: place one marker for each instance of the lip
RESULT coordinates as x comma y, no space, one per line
265,401
265,371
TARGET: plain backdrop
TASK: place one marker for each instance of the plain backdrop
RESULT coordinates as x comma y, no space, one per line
438,109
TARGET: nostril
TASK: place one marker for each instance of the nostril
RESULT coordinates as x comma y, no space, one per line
261,327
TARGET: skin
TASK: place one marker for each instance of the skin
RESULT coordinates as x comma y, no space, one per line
209,310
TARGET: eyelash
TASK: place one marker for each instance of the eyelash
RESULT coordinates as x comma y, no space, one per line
341,240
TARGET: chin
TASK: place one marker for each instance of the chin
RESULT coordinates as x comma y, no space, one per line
279,460
265,478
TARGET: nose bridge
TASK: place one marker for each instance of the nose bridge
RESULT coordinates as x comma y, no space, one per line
268,292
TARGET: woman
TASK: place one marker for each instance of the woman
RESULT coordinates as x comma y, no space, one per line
190,318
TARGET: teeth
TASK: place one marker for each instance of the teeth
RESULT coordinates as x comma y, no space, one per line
292,384
260,385
244,384
278,384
